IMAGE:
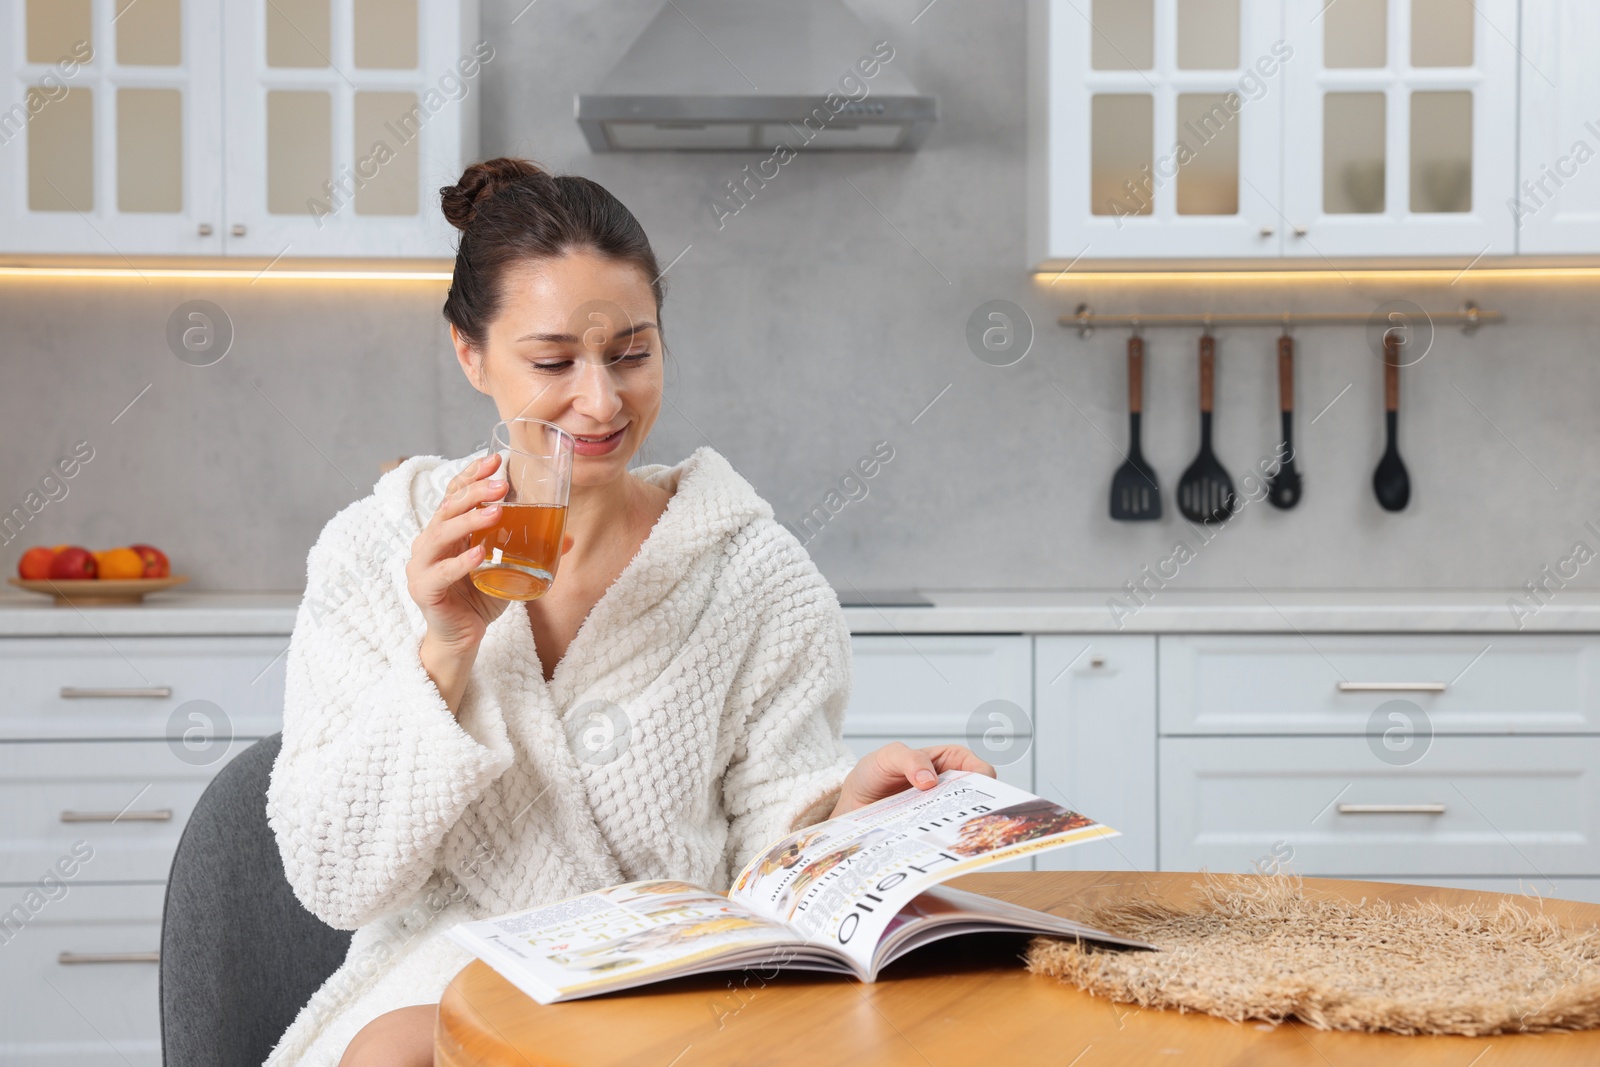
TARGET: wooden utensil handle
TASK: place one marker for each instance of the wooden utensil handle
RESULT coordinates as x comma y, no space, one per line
1135,375
1208,370
1391,371
1285,374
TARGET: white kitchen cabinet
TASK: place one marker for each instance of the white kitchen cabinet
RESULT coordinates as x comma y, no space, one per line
81,978
106,744
1461,759
84,688
1281,684
110,127
1095,748
1241,129
1469,806
129,800
1556,208
286,128
344,119
926,684
1400,127
943,689
1149,136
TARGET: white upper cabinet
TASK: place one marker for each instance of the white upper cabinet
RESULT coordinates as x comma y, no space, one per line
1229,129
110,127
1401,127
263,128
1557,205
344,118
1161,126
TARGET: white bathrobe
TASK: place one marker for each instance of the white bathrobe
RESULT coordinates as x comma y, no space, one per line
695,717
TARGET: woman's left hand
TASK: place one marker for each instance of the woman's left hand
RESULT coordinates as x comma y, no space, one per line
888,770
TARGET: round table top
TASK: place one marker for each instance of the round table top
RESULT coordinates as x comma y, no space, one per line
962,1001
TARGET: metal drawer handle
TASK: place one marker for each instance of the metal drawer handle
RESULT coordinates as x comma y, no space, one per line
1391,809
1393,687
156,692
159,815
69,958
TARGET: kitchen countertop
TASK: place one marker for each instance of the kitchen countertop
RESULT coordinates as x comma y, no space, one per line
953,611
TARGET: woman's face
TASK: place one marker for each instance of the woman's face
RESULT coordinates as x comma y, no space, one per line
576,343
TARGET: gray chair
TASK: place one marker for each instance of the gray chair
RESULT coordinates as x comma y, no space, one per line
240,955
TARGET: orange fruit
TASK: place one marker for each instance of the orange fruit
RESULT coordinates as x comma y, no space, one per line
119,563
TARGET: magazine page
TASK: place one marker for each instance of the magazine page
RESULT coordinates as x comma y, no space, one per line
943,911
840,883
628,935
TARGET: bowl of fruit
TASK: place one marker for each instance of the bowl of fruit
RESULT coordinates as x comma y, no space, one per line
75,576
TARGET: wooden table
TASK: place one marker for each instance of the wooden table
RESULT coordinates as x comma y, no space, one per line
949,1003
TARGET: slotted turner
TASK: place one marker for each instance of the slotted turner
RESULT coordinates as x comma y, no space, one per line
1205,493
1135,493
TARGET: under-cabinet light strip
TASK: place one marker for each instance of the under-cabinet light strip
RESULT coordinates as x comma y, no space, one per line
1050,278
222,274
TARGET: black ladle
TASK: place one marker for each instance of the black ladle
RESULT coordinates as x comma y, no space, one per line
1390,481
1205,493
1283,488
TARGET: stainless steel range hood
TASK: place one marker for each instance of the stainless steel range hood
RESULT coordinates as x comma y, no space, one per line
748,75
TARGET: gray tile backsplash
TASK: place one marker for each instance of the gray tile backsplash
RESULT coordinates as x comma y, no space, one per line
822,319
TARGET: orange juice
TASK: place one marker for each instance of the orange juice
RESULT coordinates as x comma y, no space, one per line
521,551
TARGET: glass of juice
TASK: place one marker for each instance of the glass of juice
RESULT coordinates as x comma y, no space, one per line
522,549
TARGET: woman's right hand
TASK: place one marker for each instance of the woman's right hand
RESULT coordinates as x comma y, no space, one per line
457,614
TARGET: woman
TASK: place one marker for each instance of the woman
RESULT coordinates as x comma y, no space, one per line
431,771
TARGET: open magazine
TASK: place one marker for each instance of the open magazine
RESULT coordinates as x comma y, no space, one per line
848,895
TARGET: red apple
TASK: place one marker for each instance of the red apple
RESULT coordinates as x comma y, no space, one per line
73,563
35,563
155,561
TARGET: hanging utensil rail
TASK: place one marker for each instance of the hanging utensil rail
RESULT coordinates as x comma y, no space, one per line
1085,319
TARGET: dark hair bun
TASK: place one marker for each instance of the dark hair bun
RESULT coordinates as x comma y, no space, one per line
511,212
481,181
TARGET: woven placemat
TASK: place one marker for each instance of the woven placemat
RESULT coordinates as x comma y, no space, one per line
1255,947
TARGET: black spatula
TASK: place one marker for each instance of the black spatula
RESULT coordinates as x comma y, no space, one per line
1390,482
1135,493
1205,493
1283,488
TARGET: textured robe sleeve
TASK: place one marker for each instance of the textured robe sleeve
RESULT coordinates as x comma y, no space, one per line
791,761
374,768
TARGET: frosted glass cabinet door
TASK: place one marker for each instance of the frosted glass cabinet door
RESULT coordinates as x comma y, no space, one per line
110,127
344,118
1399,129
1557,207
1154,128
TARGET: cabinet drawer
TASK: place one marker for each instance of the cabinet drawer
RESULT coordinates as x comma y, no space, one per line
1335,683
83,1014
934,684
69,687
127,801
1524,807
